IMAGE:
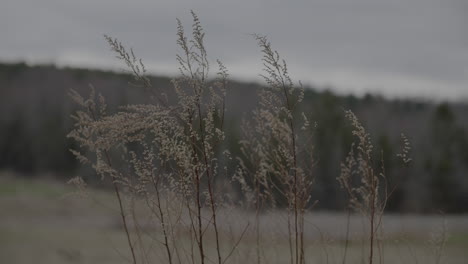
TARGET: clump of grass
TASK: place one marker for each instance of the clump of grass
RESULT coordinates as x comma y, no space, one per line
177,149
362,182
168,157
276,175
365,185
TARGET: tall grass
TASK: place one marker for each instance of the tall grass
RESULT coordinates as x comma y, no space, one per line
167,158
279,175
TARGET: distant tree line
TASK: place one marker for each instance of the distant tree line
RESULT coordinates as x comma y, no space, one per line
35,119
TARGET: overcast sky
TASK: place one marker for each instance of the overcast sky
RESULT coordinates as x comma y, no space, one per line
415,48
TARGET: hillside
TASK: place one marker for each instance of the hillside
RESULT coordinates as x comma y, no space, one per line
35,118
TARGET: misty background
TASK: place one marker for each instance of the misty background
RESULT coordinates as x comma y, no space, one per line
401,66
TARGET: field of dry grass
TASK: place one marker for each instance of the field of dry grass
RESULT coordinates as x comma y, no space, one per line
42,223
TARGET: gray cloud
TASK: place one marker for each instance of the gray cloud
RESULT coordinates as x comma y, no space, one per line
398,48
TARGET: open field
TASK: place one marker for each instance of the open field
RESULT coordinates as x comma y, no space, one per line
40,222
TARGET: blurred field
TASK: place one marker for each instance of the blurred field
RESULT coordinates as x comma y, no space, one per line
42,222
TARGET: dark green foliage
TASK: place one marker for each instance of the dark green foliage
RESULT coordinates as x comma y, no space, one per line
16,146
36,149
446,162
11,71
35,109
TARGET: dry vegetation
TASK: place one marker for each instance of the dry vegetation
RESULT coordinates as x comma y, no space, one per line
44,224
168,166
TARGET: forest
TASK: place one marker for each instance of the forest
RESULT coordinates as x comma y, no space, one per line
35,110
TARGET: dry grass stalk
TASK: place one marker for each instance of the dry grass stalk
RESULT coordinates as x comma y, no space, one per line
367,187
274,172
362,182
177,149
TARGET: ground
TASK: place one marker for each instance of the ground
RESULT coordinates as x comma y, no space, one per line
44,222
